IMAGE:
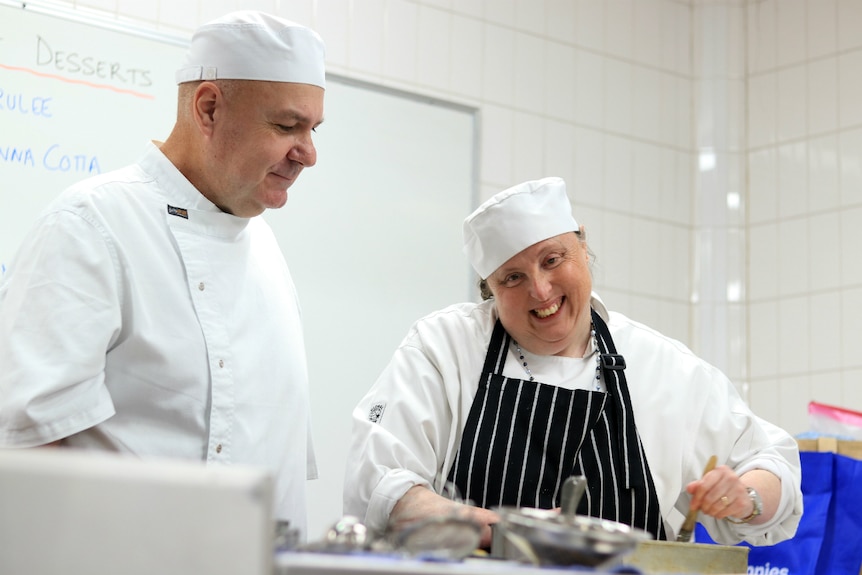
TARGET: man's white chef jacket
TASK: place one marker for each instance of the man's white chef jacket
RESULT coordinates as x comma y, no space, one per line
138,317
407,428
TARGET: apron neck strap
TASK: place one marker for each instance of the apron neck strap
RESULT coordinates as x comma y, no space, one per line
613,373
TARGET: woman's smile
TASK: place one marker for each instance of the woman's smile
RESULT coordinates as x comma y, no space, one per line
546,312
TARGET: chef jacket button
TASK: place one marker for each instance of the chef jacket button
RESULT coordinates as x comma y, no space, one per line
201,286
218,448
221,363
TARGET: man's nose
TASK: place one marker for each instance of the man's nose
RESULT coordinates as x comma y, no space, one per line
304,152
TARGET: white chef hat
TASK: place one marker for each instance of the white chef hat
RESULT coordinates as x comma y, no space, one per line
251,45
515,219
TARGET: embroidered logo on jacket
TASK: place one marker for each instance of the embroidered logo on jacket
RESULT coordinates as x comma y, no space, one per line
376,412
179,212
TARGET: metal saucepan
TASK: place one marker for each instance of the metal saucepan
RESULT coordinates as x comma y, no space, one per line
547,537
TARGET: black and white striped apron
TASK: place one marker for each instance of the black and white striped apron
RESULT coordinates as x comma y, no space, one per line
523,438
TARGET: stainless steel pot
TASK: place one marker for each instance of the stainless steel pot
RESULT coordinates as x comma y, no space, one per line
547,537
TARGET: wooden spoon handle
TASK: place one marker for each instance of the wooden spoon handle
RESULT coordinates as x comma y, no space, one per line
688,525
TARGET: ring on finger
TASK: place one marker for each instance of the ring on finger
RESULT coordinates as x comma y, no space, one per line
725,500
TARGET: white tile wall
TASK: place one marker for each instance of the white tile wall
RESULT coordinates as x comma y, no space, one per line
825,319
824,262
792,179
559,157
590,24
646,31
465,57
530,16
762,277
589,99
560,19
588,185
365,38
821,33
400,46
139,11
496,141
805,61
764,348
180,15
619,28
793,321
849,88
527,147
851,264
823,182
530,83
763,185
792,105
332,21
617,184
822,92
847,24
618,96
105,5
790,32
646,101
558,95
762,44
434,59
850,166
498,56
646,191
793,256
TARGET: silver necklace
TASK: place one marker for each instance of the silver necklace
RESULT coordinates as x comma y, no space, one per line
598,380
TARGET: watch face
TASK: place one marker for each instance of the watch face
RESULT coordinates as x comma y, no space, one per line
757,501
756,510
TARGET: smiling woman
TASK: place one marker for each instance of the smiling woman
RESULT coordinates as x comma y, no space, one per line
509,397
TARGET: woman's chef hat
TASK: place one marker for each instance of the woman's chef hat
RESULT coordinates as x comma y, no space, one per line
251,45
515,219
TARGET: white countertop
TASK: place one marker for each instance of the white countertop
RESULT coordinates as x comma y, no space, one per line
331,564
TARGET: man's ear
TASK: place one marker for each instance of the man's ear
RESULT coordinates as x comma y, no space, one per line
206,98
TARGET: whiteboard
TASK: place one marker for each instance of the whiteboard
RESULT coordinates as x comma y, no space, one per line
75,100
372,233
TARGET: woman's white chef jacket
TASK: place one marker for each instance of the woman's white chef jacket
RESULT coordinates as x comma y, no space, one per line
138,317
407,428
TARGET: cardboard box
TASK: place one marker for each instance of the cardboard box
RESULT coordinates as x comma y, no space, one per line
849,448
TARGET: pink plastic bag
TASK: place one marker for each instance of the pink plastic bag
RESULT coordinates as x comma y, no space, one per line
834,421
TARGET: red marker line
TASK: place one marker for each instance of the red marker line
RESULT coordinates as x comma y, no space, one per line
82,82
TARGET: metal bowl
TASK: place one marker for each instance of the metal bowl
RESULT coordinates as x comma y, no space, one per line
547,537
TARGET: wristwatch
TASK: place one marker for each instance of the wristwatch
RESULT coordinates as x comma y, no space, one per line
756,501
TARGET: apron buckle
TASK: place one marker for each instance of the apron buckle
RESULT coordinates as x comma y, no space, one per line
613,361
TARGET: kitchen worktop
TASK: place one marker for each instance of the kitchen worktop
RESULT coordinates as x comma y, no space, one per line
329,564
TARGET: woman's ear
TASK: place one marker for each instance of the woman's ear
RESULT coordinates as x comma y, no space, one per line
582,231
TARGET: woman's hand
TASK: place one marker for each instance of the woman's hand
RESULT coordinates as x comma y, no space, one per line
722,493
421,503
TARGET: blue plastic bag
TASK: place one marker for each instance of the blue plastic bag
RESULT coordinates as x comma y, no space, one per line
842,543
829,538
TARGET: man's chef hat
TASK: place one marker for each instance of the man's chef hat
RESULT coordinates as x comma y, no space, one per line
251,45
515,219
